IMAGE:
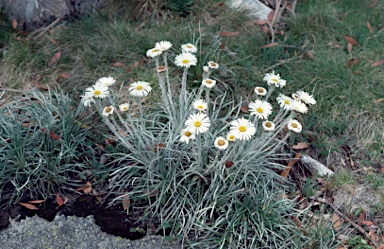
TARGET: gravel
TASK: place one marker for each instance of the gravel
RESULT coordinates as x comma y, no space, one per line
71,233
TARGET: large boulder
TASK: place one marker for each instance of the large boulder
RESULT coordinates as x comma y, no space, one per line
33,14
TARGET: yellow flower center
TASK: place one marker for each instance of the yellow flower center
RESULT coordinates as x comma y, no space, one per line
294,125
231,138
275,80
213,64
221,142
139,87
268,124
108,109
187,133
259,110
97,92
200,107
189,46
242,128
208,81
286,102
155,50
197,123
185,61
125,108
260,90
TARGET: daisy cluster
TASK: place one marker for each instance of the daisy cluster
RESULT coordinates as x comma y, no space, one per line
242,128
198,122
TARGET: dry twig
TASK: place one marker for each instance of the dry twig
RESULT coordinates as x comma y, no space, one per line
362,230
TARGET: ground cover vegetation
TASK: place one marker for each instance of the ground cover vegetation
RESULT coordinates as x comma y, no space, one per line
195,182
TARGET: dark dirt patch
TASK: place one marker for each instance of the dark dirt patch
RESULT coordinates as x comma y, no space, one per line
112,220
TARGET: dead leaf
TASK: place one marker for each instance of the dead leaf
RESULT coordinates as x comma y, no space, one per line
222,45
265,29
378,63
369,27
351,40
261,22
54,59
59,200
244,109
36,201
373,4
29,206
52,135
367,222
282,32
118,64
14,23
273,44
377,101
270,15
126,202
353,61
342,16
140,26
350,46
53,41
300,146
298,223
229,34
87,188
134,65
158,147
310,55
336,222
286,171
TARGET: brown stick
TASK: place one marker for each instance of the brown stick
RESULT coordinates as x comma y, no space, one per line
45,29
362,230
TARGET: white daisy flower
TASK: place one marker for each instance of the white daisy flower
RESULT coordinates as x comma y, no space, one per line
153,52
124,107
231,137
274,79
163,45
108,110
268,125
261,109
221,143
198,123
139,89
186,60
284,101
107,81
213,65
295,126
261,91
200,105
299,106
205,69
187,135
87,99
242,129
98,90
188,48
306,98
209,83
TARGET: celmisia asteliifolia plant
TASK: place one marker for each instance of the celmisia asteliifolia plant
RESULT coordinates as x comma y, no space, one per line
208,169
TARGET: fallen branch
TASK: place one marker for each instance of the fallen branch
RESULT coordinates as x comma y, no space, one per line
314,166
362,230
45,29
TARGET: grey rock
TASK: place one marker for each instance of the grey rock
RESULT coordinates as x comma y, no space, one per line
33,14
